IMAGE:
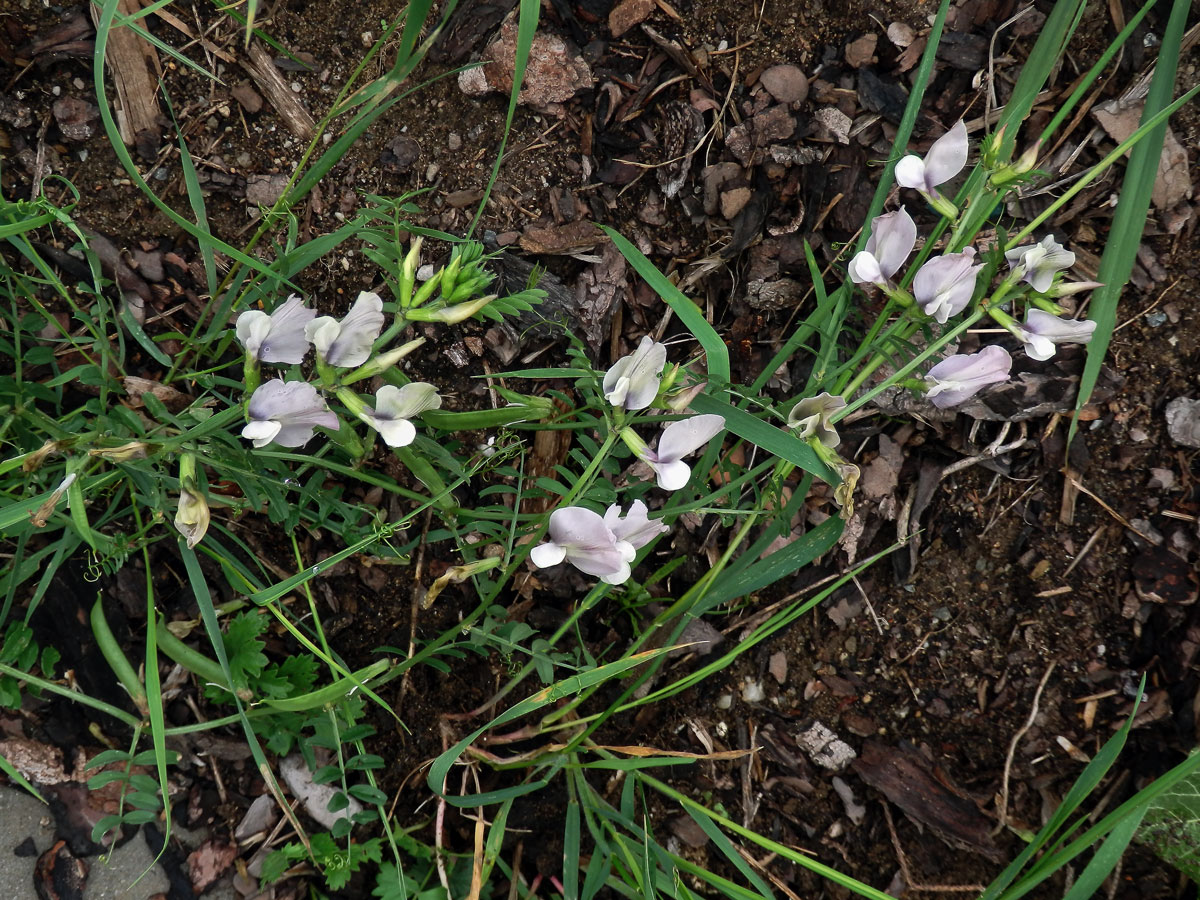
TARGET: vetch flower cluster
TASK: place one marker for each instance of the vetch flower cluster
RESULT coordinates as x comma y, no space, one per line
288,413
604,546
946,285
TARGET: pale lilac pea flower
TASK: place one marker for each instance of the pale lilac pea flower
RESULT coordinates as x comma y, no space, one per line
943,286
1039,263
1042,331
677,441
581,537
958,378
286,413
278,337
944,159
347,343
633,381
395,406
893,237
635,528
811,418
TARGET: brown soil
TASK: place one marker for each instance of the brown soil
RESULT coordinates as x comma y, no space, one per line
944,652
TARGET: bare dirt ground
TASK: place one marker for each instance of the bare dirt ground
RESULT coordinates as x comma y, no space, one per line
1000,650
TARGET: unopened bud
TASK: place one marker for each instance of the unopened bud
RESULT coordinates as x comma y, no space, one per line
1067,288
192,515
382,362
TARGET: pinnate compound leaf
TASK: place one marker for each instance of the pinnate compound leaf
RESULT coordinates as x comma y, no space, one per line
1171,827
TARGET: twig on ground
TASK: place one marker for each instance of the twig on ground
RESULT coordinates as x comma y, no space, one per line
906,873
1002,805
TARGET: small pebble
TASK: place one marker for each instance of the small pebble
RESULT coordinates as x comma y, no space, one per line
752,692
454,142
724,701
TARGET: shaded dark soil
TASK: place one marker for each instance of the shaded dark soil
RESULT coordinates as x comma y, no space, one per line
935,655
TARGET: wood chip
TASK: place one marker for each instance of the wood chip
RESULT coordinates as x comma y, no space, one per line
262,69
135,71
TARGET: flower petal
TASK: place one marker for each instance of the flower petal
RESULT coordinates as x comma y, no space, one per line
635,527
893,237
910,173
682,437
672,475
261,432
633,380
546,555
947,156
357,332
395,432
286,342
864,269
408,401
252,329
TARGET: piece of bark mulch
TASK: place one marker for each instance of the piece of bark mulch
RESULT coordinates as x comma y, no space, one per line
927,797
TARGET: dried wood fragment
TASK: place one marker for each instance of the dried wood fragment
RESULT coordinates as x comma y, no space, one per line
262,69
136,71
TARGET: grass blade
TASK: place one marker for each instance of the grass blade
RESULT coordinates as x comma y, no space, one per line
1129,221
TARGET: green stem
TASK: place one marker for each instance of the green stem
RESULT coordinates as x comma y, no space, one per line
54,688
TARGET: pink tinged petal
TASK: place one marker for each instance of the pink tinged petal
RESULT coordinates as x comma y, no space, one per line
960,377
864,269
633,380
910,173
947,156
893,237
356,333
636,527
252,329
1042,331
683,437
944,286
294,406
286,342
578,526
546,555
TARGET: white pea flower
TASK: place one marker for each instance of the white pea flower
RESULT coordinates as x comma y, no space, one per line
677,440
893,236
633,380
581,537
1037,264
395,406
635,527
348,343
278,337
945,158
286,413
958,378
1042,331
944,286
811,418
